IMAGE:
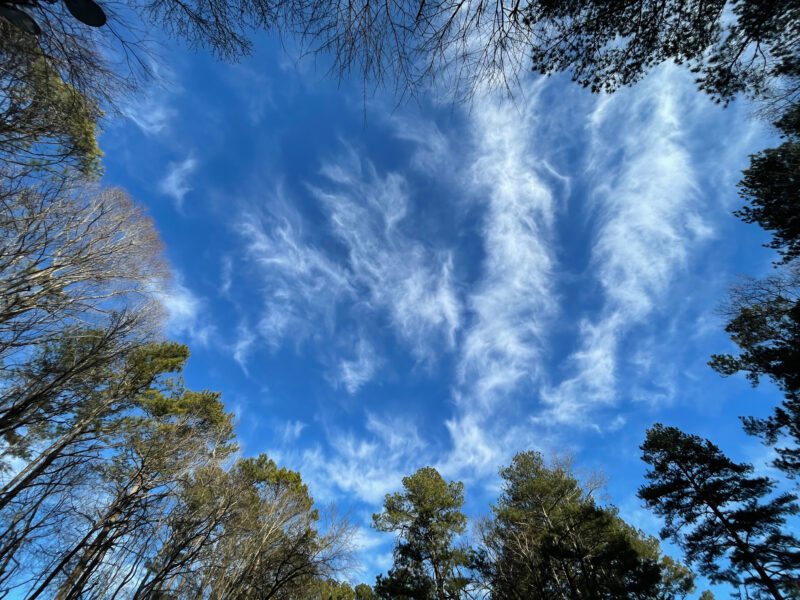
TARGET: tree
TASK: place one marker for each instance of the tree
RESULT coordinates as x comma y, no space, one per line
364,592
608,44
549,539
78,267
735,46
87,408
764,321
331,589
71,253
175,434
131,429
135,500
45,123
771,186
729,522
427,517
273,546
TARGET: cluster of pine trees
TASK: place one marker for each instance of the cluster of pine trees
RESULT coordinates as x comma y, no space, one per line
118,481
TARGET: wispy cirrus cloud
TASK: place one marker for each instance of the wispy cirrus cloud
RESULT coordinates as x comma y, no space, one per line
645,204
364,466
150,113
392,271
380,271
513,302
299,285
176,182
357,265
185,312
356,371
151,110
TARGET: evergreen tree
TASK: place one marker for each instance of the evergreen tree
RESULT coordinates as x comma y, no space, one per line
364,592
427,517
765,324
45,123
729,522
549,539
771,186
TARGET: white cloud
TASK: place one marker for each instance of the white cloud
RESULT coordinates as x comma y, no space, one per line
514,300
150,110
399,436
291,431
381,271
150,113
245,338
185,312
299,285
432,151
226,275
176,181
393,271
501,350
365,468
354,373
645,204
357,468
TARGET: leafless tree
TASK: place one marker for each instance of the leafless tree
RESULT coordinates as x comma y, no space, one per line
78,267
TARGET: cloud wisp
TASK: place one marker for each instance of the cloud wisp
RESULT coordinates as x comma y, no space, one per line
502,349
645,207
538,338
184,312
176,182
378,270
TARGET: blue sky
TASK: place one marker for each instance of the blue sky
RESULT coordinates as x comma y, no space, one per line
375,288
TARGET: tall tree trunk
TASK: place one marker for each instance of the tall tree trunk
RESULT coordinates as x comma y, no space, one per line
92,547
37,467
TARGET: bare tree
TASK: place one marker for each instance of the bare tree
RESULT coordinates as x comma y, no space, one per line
734,46
78,267
70,253
274,546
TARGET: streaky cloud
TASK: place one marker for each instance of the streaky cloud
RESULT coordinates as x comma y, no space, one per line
645,203
176,182
502,348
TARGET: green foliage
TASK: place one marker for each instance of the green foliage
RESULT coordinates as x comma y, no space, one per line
44,121
765,324
606,44
364,592
550,539
336,590
427,518
263,474
771,186
729,522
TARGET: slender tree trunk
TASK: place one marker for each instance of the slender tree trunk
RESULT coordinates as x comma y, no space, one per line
93,544
99,546
37,467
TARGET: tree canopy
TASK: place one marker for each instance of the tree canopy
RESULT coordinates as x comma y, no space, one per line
771,186
427,517
730,523
549,538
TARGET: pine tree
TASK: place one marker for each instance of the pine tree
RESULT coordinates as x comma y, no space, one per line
550,539
730,523
427,516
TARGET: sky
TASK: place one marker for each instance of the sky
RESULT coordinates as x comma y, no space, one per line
376,287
